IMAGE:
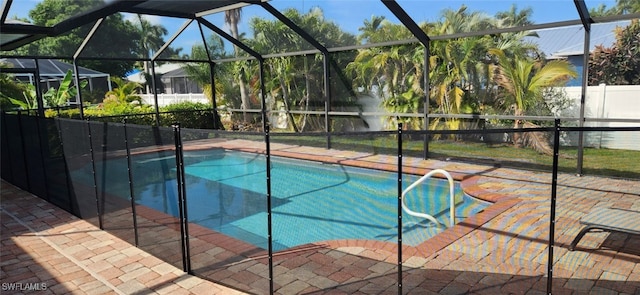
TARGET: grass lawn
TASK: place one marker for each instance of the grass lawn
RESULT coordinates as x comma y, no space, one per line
603,162
597,162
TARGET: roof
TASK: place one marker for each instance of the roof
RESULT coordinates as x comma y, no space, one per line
51,68
159,70
177,73
567,41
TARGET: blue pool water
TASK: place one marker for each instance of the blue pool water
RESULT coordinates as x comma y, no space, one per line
311,201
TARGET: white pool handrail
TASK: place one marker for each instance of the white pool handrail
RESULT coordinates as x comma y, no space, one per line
452,203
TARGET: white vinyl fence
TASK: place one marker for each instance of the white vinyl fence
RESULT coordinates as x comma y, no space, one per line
167,99
606,102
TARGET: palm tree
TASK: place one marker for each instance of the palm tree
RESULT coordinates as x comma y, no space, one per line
201,73
369,29
627,6
296,82
460,69
458,21
523,81
515,18
621,7
150,40
394,72
232,18
125,91
458,72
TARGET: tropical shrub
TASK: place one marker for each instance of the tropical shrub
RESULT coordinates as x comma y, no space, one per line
189,115
125,92
59,97
524,82
620,63
13,94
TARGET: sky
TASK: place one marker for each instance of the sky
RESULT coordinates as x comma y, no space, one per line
350,14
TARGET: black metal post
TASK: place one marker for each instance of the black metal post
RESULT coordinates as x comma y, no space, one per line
327,96
95,177
155,92
38,88
182,201
131,191
427,90
217,122
583,96
399,208
79,92
267,140
586,20
263,96
103,146
554,185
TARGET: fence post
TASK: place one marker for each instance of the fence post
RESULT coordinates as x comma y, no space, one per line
131,191
95,177
182,200
554,185
267,140
399,208
104,150
67,176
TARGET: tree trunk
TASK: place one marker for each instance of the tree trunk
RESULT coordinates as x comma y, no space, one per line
146,74
517,136
244,97
307,85
285,100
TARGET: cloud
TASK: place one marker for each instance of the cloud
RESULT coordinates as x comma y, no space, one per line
153,19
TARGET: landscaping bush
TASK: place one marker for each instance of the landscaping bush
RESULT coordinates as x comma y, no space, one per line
189,114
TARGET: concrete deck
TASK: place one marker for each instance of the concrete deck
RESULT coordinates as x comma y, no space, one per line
503,251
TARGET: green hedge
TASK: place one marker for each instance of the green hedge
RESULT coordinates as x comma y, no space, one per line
188,114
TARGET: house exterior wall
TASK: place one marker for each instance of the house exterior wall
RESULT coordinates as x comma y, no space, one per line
578,63
180,85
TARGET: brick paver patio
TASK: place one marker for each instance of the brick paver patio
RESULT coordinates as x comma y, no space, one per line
46,250
501,251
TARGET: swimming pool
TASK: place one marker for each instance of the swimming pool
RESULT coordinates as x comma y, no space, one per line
311,201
